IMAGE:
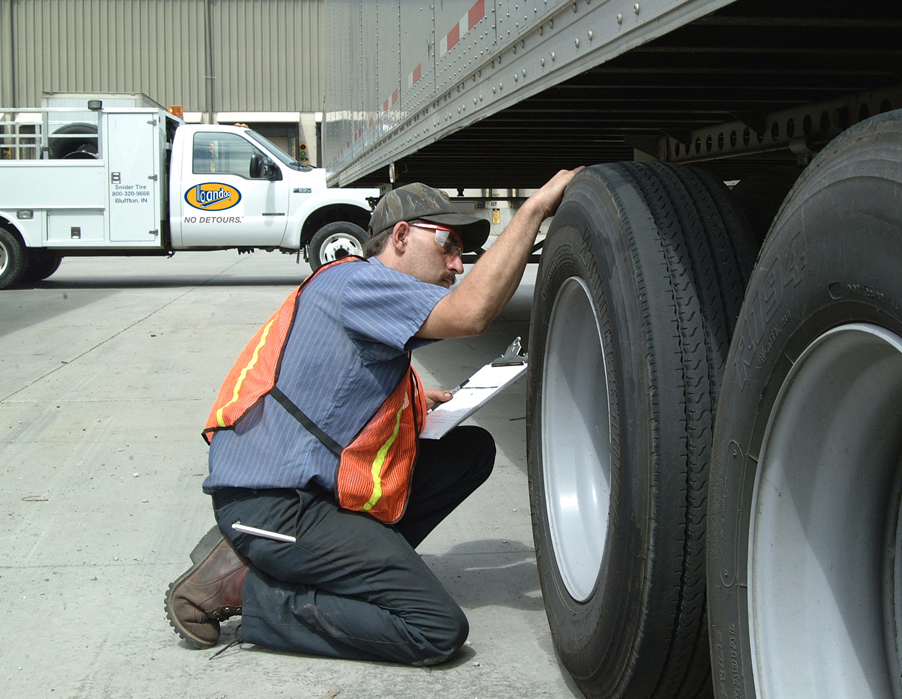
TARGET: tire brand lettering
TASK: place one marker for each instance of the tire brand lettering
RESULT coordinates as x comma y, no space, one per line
734,662
761,307
867,291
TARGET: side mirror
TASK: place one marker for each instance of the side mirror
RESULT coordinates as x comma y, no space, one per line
262,168
271,171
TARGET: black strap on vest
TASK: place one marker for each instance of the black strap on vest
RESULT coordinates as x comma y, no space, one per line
308,424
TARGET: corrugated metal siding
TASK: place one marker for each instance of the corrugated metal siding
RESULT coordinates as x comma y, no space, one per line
265,53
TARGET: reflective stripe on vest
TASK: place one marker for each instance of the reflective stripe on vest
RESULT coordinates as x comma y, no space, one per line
380,460
256,370
236,393
375,470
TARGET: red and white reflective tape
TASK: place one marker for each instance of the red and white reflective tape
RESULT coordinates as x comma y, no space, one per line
414,77
466,23
392,101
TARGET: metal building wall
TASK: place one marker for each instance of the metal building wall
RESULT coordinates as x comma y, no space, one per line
207,55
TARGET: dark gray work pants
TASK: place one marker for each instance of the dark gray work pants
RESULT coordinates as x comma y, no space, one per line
351,586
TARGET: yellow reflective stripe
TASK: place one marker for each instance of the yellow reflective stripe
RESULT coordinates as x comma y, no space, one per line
380,459
244,372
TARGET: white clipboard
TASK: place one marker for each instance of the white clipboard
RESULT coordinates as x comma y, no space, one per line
472,394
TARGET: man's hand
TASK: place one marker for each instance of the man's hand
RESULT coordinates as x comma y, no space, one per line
485,291
547,199
436,396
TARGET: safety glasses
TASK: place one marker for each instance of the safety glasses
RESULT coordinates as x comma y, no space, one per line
446,238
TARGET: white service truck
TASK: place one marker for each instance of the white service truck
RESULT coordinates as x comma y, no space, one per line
714,400
133,179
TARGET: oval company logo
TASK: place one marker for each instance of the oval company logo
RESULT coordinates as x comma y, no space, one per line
212,196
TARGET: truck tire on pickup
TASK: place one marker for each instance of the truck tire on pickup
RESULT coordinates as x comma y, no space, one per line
41,264
805,500
13,259
334,241
639,285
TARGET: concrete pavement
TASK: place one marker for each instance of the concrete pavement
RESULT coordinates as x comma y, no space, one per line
107,373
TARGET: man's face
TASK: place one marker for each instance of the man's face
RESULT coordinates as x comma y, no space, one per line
434,254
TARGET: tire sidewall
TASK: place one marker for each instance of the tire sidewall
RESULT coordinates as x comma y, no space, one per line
16,259
832,258
604,625
350,231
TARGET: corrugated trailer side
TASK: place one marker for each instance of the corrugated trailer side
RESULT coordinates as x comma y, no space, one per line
462,62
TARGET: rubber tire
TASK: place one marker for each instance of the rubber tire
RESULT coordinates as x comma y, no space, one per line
74,148
334,241
761,194
13,259
830,265
661,255
41,264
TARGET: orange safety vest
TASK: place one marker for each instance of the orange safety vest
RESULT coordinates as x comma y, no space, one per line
374,471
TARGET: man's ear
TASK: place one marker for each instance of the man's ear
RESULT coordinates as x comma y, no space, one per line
399,237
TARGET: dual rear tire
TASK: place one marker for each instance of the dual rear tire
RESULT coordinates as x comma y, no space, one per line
785,511
19,265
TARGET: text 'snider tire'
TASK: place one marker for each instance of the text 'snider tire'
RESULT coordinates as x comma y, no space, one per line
804,527
640,282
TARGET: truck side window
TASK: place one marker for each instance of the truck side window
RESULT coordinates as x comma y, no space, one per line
223,153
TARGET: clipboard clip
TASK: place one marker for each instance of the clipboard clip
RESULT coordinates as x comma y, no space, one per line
511,356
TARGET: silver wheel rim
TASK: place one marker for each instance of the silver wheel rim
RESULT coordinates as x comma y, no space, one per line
339,245
576,449
824,533
4,258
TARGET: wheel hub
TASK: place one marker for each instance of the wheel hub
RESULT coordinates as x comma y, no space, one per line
337,246
576,450
825,582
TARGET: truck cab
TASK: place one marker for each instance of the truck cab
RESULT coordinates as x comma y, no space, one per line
230,186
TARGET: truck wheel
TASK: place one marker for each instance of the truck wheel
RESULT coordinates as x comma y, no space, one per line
334,241
13,259
41,264
638,288
760,195
805,500
71,147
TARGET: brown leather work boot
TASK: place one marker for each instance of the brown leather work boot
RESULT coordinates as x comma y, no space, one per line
210,591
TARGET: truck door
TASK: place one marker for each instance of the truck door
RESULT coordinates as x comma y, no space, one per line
227,198
132,151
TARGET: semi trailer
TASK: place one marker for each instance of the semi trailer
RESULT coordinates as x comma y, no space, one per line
715,382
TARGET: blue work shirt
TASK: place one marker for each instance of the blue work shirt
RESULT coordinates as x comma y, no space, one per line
346,353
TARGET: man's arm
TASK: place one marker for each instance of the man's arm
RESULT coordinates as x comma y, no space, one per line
486,290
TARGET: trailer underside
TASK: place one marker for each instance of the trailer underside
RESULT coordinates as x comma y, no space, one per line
751,65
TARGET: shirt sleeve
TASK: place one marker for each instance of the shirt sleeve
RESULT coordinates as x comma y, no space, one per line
383,309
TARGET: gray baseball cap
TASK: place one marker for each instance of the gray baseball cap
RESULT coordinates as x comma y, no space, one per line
419,202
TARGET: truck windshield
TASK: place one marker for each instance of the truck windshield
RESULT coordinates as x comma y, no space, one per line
276,151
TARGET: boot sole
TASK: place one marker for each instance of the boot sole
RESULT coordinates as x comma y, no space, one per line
199,555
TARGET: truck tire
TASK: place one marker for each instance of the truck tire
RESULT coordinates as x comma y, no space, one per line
71,147
640,281
760,195
804,525
41,264
13,259
334,241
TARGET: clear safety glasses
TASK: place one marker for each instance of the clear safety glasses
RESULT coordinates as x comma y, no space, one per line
446,238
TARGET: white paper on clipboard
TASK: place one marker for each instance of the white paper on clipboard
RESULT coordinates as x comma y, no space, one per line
484,385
